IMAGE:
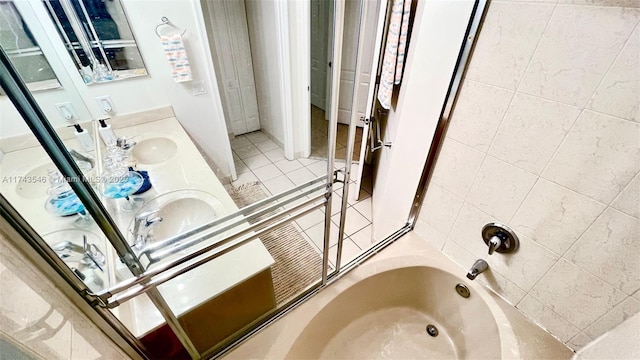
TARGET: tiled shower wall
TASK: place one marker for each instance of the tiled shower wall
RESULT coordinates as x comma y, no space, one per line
545,137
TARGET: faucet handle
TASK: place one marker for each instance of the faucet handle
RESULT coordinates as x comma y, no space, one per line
500,238
125,143
146,214
494,243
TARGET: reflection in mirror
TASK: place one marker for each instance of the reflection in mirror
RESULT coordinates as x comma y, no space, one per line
98,37
18,42
185,196
36,189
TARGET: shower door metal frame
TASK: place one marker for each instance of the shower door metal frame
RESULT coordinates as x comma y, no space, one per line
474,24
145,281
62,276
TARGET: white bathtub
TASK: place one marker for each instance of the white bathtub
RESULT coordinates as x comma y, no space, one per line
381,310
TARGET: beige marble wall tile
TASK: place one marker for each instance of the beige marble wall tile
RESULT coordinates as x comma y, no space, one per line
610,249
431,235
29,318
459,255
548,318
599,157
618,314
619,92
617,3
500,188
440,208
531,131
555,216
509,37
502,286
35,314
467,231
456,167
575,53
629,199
478,113
526,266
531,1
580,297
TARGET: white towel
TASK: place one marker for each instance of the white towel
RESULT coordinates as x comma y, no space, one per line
395,49
177,57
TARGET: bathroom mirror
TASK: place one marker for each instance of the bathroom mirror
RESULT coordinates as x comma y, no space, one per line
18,41
97,35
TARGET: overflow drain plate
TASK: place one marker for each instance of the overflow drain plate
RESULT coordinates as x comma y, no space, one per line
463,290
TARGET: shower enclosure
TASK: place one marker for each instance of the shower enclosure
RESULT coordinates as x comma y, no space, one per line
185,267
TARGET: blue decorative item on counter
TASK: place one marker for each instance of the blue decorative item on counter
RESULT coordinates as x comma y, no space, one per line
146,185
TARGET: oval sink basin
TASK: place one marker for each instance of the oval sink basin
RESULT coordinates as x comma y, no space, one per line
182,215
35,183
154,150
181,211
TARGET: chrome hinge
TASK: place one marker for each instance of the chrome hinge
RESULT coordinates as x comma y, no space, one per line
93,299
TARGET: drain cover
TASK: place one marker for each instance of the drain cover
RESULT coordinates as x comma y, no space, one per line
432,330
463,290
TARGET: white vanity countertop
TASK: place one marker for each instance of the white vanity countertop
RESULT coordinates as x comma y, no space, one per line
185,170
188,170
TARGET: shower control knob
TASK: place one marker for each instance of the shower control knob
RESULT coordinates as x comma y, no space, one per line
500,238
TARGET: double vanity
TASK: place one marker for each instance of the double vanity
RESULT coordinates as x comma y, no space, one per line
211,301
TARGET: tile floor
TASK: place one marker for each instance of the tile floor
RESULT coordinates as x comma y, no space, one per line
319,137
258,158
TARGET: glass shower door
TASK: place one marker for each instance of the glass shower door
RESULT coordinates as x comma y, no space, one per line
183,269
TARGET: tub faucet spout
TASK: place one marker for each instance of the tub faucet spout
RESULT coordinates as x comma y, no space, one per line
478,267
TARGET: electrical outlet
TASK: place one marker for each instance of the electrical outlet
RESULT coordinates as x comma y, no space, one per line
198,87
106,104
67,111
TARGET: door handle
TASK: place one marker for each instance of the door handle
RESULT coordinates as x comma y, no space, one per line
375,142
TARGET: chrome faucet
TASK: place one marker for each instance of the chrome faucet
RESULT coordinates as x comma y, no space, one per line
143,224
478,267
125,143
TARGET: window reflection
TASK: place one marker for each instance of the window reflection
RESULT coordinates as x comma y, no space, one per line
98,37
19,43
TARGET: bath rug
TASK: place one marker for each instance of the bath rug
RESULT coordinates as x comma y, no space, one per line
297,263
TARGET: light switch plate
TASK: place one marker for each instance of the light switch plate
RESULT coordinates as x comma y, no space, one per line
199,87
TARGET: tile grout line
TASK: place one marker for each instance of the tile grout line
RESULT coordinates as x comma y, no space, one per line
615,58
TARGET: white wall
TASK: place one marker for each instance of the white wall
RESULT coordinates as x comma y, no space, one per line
299,27
202,116
412,120
545,138
261,17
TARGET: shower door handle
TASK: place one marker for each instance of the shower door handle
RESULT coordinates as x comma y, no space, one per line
375,142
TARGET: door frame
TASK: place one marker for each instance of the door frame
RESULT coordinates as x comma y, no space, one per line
292,36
